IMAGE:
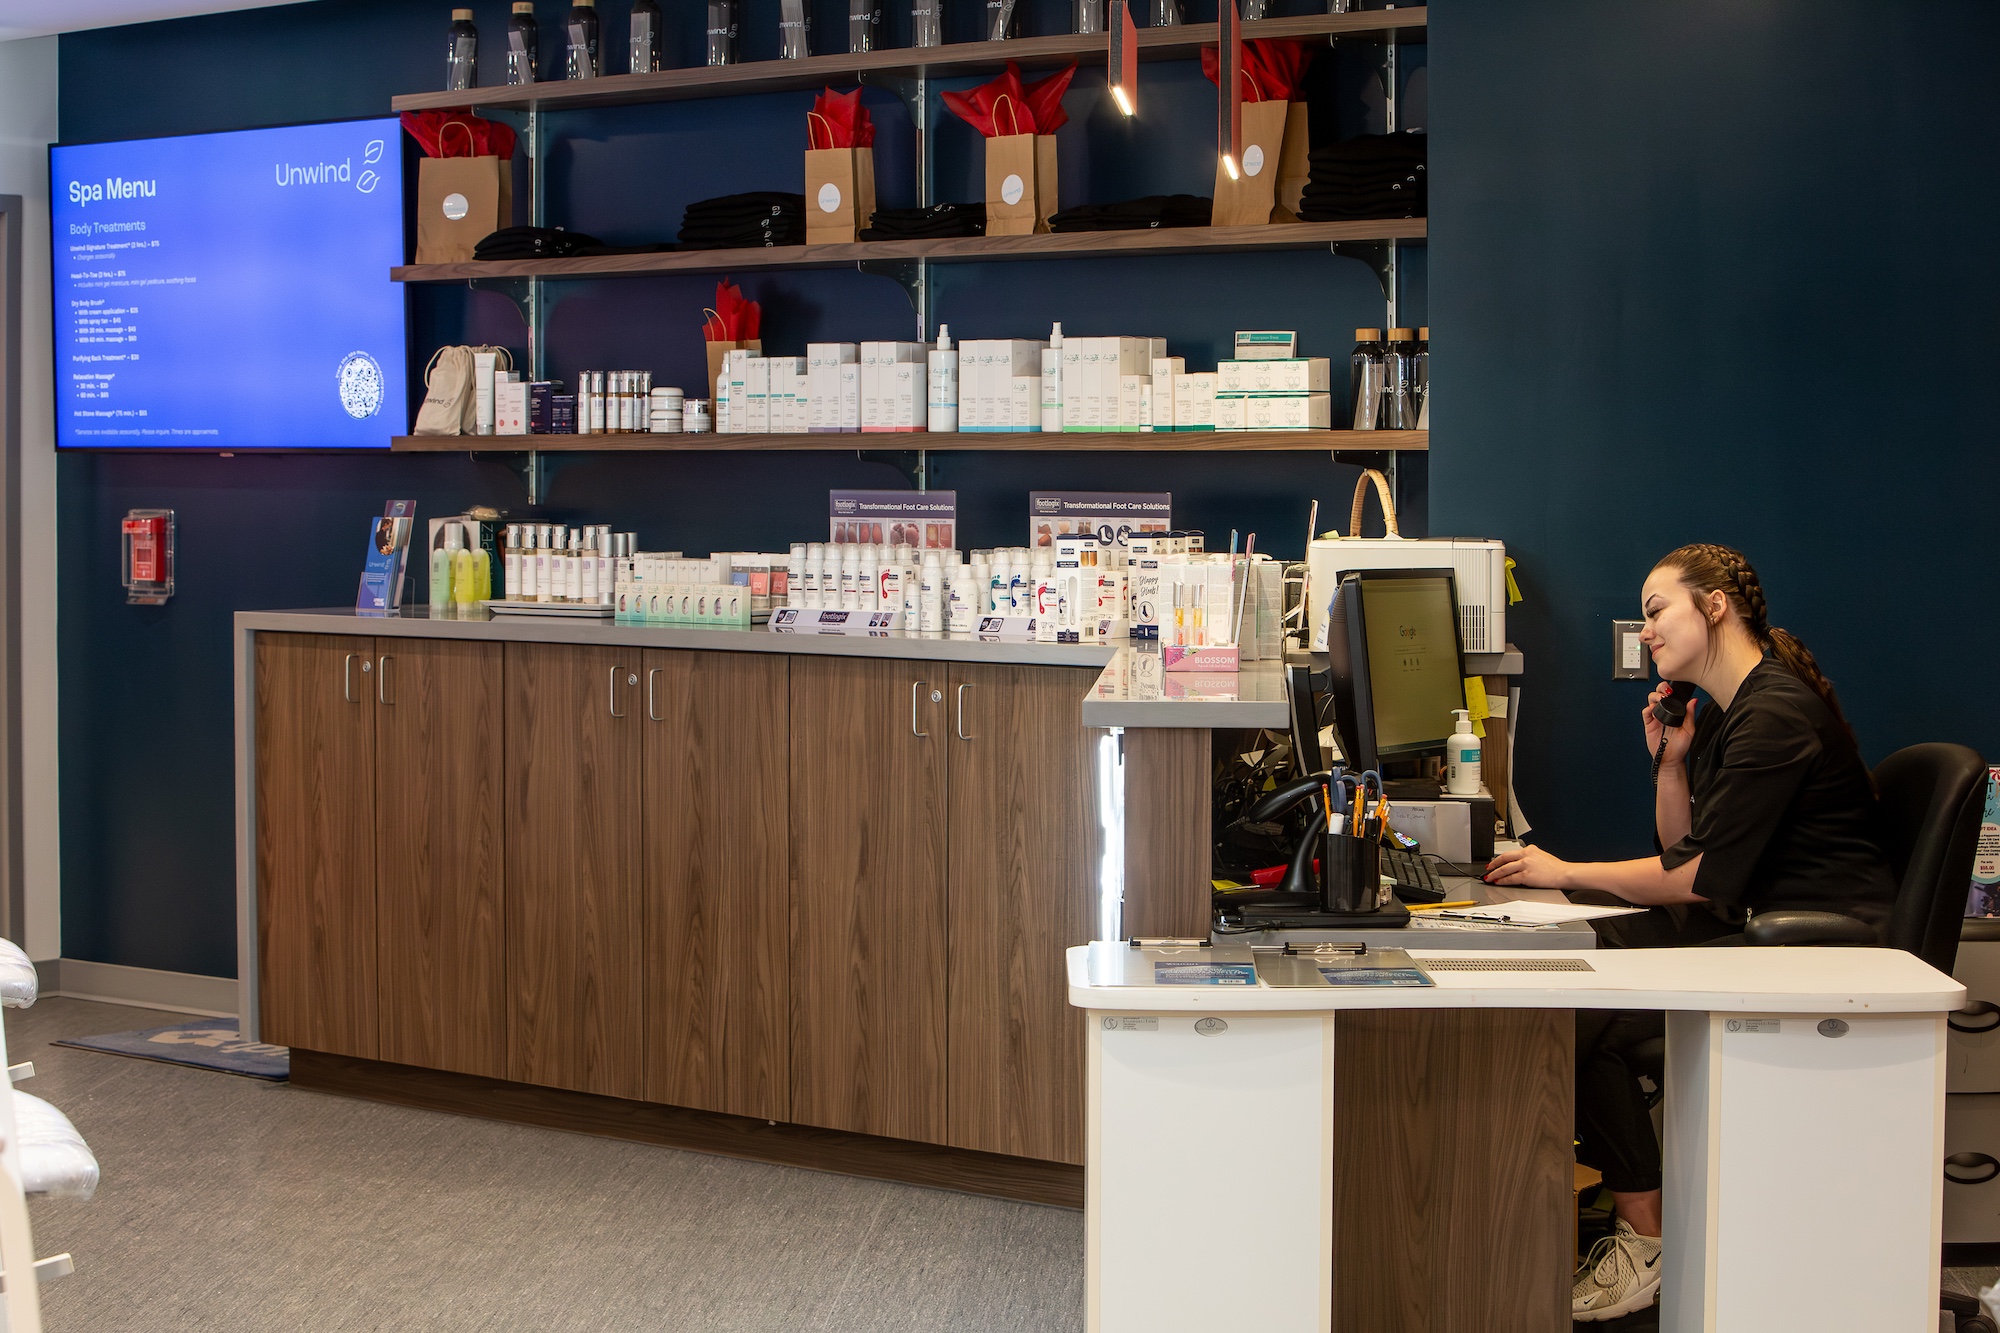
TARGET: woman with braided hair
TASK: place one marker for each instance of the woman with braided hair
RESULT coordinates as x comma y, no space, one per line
1762,802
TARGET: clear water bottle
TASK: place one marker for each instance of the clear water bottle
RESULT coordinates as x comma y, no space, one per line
1167,14
1365,380
461,70
645,37
1420,378
721,32
581,41
1002,20
926,22
524,44
1398,401
794,30
1086,16
864,25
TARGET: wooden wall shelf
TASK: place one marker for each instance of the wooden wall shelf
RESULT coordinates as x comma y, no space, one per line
763,76
944,250
1218,441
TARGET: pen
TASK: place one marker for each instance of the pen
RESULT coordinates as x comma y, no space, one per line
1435,907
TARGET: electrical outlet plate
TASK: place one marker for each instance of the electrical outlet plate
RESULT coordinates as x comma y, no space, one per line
1628,655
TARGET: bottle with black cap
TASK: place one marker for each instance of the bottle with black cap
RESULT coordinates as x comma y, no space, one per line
581,30
1398,411
461,70
721,32
1420,378
524,44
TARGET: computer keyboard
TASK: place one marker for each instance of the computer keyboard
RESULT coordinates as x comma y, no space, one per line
1415,880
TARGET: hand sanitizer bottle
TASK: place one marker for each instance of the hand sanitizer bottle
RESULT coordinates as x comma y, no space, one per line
943,383
1461,774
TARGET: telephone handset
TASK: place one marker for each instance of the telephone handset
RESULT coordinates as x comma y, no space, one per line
1672,708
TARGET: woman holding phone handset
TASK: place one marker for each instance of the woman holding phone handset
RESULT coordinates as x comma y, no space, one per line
1761,802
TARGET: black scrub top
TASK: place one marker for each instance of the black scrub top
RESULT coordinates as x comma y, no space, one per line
1784,812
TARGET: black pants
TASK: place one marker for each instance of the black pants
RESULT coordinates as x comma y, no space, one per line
1614,1128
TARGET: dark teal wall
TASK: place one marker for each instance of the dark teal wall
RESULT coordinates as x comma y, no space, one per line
147,776
1714,271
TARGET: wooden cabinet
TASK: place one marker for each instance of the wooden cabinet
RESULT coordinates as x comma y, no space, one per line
439,885
715,833
315,817
1024,852
575,940
867,856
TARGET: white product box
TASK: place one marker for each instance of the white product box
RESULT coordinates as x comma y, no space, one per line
1025,403
1266,344
510,406
1164,366
1131,400
1194,401
788,395
757,395
738,361
907,397
1305,411
1311,374
823,397
850,395
871,385
1073,394
1146,405
975,400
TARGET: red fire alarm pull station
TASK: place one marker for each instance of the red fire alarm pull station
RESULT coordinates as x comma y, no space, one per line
149,556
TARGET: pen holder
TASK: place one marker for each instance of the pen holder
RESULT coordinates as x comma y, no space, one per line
1353,871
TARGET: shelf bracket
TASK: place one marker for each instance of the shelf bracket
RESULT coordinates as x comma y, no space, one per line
531,468
914,277
1381,257
914,464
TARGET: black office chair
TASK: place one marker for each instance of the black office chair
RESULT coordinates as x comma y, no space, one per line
1932,797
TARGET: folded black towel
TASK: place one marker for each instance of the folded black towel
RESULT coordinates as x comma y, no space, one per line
909,224
745,221
533,243
1362,148
1157,210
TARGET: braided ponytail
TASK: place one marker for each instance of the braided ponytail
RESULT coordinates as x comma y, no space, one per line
1705,568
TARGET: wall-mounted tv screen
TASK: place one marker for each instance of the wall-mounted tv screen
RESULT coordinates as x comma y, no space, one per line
230,291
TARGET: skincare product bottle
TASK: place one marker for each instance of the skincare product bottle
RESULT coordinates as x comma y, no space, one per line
1365,380
930,594
1052,383
960,596
589,587
999,587
645,58
912,593
555,586
942,378
815,572
1043,606
850,574
1398,407
1461,774
483,366
889,587
795,576
982,574
510,562
868,579
441,572
926,22
580,28
464,574
721,32
482,574
524,44
1020,582
461,70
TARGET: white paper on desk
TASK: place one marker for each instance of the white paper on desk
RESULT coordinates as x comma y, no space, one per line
1522,913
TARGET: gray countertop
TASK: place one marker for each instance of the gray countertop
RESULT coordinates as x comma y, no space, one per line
1135,690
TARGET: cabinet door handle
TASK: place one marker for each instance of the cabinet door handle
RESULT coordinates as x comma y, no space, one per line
916,685
651,716
614,691
382,679
347,678
961,712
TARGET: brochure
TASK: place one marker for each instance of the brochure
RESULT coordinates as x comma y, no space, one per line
1112,515
1204,974
927,520
388,558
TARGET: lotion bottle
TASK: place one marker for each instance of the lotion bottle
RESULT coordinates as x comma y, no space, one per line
930,594
441,572
795,576
1052,385
464,577
868,579
943,383
1461,774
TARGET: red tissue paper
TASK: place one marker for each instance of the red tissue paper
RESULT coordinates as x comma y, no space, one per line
838,120
1004,106
458,134
733,319
1273,68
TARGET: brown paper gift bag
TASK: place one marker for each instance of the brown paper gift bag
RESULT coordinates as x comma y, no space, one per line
840,194
1294,165
1020,184
1248,200
719,349
460,202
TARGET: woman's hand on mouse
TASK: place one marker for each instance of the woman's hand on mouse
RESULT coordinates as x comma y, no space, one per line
1528,868
1678,738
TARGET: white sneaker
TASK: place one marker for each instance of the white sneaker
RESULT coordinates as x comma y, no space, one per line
1621,1274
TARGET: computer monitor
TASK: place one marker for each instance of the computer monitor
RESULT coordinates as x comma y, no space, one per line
1305,721
1396,664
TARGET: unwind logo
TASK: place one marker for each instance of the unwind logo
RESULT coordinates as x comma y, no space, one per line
85,193
335,173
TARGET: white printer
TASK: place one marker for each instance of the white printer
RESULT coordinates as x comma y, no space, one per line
1480,567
